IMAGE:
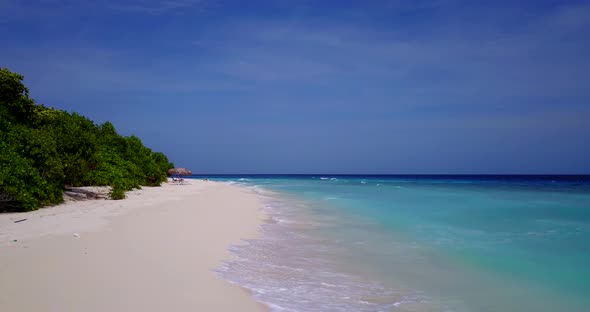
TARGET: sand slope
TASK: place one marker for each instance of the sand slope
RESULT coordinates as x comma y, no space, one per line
153,251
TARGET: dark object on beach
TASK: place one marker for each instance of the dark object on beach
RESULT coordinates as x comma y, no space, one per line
179,171
21,220
177,179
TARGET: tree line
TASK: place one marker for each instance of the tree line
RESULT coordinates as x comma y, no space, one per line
43,149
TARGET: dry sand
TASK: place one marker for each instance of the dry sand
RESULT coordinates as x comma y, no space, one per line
153,251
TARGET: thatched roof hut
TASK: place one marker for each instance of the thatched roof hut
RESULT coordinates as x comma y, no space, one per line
179,171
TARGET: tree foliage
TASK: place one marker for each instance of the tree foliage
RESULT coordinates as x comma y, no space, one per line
42,149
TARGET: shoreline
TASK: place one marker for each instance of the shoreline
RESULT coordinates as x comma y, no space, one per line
155,250
319,269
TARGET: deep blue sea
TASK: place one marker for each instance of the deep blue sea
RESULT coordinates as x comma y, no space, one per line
418,243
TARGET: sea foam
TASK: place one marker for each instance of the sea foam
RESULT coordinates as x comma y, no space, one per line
291,271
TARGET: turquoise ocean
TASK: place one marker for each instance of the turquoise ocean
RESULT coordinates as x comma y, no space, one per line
417,243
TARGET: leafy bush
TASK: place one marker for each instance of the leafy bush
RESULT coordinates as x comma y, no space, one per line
42,149
117,193
21,185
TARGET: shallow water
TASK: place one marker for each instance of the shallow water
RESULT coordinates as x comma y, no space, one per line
350,243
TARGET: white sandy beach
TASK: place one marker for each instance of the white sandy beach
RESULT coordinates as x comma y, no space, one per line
153,251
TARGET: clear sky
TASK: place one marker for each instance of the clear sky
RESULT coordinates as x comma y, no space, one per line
294,86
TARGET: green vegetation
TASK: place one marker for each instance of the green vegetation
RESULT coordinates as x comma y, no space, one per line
43,149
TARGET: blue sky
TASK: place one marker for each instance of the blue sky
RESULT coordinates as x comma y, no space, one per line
437,86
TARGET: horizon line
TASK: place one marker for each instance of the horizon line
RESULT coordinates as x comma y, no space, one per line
402,174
